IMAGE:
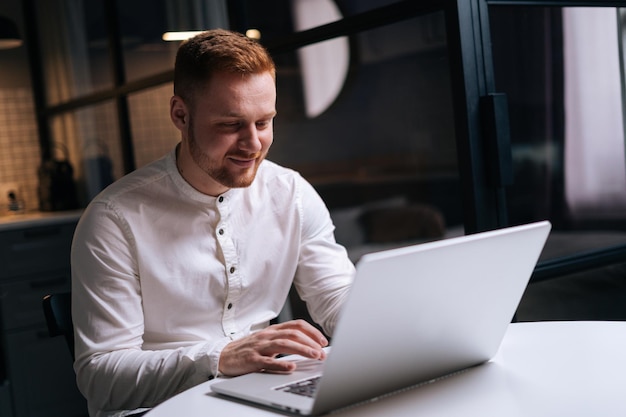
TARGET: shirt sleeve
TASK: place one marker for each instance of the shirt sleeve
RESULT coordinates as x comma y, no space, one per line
325,272
113,372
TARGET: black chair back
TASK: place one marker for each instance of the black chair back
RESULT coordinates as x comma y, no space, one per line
57,309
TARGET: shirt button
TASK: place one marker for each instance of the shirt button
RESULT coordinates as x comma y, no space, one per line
230,305
232,269
220,199
221,231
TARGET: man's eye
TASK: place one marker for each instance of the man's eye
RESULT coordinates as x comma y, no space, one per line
263,124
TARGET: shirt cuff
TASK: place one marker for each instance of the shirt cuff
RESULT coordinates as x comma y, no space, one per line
208,358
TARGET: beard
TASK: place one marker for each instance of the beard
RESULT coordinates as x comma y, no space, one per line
216,169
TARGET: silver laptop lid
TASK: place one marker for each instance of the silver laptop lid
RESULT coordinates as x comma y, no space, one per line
420,312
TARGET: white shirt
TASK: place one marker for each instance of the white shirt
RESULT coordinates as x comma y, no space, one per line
163,277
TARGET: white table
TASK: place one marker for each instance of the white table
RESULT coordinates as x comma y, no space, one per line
542,369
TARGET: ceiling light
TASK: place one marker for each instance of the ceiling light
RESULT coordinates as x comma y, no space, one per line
253,34
9,35
180,36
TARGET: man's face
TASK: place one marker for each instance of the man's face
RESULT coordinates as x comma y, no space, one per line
228,132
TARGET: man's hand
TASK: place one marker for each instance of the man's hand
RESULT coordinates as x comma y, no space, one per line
259,350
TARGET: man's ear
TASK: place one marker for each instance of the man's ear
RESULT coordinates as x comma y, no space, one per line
179,113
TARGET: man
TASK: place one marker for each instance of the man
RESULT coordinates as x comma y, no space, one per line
178,268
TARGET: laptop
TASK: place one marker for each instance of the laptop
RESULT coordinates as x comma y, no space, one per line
413,314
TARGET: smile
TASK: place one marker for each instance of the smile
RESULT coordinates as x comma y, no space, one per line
244,163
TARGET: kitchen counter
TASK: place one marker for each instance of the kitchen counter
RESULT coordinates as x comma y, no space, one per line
14,221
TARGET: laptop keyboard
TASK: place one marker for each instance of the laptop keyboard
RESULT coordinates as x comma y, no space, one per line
306,387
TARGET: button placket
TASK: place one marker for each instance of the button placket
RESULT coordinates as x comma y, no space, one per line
233,280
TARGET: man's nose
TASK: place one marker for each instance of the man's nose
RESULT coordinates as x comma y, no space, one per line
249,140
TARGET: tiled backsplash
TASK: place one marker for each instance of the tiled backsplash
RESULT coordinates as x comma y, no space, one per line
153,132
19,145
153,136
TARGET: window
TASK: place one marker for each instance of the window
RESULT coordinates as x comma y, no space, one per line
562,71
